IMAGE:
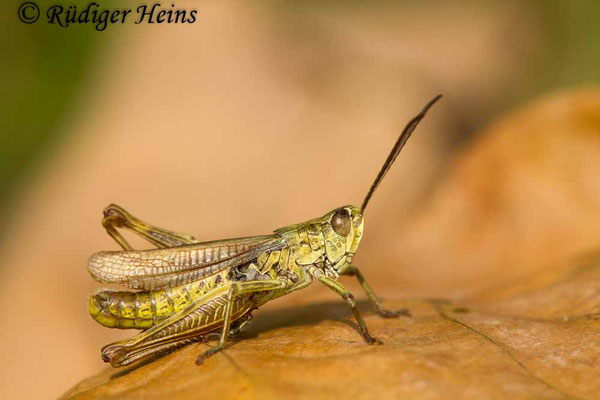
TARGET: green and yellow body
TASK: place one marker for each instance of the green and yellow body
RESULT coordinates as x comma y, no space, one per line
187,285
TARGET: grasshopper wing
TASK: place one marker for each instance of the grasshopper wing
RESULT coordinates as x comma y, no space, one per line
173,266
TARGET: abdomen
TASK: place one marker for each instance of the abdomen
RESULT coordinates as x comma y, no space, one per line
144,309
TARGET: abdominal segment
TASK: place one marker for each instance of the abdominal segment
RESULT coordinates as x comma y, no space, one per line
144,309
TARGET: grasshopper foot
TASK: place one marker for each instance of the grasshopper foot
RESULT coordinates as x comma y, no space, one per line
208,353
371,340
394,314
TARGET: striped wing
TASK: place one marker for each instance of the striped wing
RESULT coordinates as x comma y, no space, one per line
173,266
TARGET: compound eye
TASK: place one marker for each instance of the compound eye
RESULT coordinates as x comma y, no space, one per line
341,222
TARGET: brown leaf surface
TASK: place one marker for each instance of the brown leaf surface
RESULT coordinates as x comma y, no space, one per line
525,325
536,342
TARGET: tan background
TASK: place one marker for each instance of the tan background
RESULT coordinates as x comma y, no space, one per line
259,116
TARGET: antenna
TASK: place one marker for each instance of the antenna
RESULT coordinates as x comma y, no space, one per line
410,127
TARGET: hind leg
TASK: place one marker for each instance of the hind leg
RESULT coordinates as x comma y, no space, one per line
117,217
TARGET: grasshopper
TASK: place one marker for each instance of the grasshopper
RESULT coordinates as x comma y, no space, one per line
190,290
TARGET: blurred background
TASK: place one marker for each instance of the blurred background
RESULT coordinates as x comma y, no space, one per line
259,115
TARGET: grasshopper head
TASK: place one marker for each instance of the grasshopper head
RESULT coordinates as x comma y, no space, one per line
346,223
342,230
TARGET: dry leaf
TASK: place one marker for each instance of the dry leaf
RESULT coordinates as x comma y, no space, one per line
537,342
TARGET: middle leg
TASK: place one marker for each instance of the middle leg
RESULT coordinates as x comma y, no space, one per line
236,289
